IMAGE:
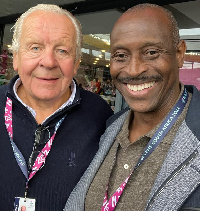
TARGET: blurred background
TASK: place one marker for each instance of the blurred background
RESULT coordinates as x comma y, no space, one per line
97,18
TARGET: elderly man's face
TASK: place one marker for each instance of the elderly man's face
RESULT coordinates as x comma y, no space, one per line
46,57
144,62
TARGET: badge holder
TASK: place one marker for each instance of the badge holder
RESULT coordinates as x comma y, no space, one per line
24,204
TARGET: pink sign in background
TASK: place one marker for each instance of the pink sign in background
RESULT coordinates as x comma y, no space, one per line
190,74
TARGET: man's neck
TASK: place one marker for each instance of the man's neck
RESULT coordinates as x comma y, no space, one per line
142,123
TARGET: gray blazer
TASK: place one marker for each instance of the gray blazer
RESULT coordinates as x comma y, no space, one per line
180,172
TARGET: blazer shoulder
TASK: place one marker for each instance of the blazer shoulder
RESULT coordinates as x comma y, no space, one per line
116,116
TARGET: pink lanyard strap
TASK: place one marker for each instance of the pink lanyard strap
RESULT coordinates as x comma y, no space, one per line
111,204
40,160
153,143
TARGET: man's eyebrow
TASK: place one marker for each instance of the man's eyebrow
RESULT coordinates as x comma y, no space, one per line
147,44
119,47
143,45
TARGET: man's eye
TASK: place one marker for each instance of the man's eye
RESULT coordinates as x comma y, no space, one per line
152,54
35,48
61,51
119,56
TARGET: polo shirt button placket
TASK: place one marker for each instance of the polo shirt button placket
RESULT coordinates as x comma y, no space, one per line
126,166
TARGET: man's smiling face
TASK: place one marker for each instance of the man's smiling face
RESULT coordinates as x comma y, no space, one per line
144,62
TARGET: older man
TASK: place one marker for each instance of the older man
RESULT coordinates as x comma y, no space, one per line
50,129
149,155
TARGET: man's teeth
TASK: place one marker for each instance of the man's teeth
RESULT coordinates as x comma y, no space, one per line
140,87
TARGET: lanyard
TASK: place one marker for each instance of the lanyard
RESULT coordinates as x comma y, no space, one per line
153,143
40,160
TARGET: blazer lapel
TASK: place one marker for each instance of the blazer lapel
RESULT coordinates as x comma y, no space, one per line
178,176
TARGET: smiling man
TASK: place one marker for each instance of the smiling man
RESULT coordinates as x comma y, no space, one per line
46,61
50,128
149,155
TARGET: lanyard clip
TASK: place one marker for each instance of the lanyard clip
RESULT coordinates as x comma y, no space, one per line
25,195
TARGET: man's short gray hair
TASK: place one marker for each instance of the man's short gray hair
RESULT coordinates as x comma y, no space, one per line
49,8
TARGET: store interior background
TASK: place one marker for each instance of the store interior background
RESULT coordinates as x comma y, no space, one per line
97,18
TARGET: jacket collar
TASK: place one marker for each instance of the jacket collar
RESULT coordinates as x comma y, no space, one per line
13,80
193,115
10,93
180,173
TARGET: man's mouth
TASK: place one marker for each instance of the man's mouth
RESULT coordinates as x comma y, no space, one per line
140,87
50,79
47,79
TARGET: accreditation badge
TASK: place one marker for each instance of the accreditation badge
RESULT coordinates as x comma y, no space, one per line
22,204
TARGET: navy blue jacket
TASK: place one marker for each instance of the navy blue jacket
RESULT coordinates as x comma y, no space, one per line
74,146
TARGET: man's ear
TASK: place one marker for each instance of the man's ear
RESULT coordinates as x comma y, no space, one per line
15,61
180,53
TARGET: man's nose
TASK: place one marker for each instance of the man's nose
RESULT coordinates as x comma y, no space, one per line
48,59
136,66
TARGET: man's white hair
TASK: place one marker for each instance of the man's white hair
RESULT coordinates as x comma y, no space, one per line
49,8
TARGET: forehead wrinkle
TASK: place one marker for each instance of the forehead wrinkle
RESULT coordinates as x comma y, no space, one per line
45,27
38,36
